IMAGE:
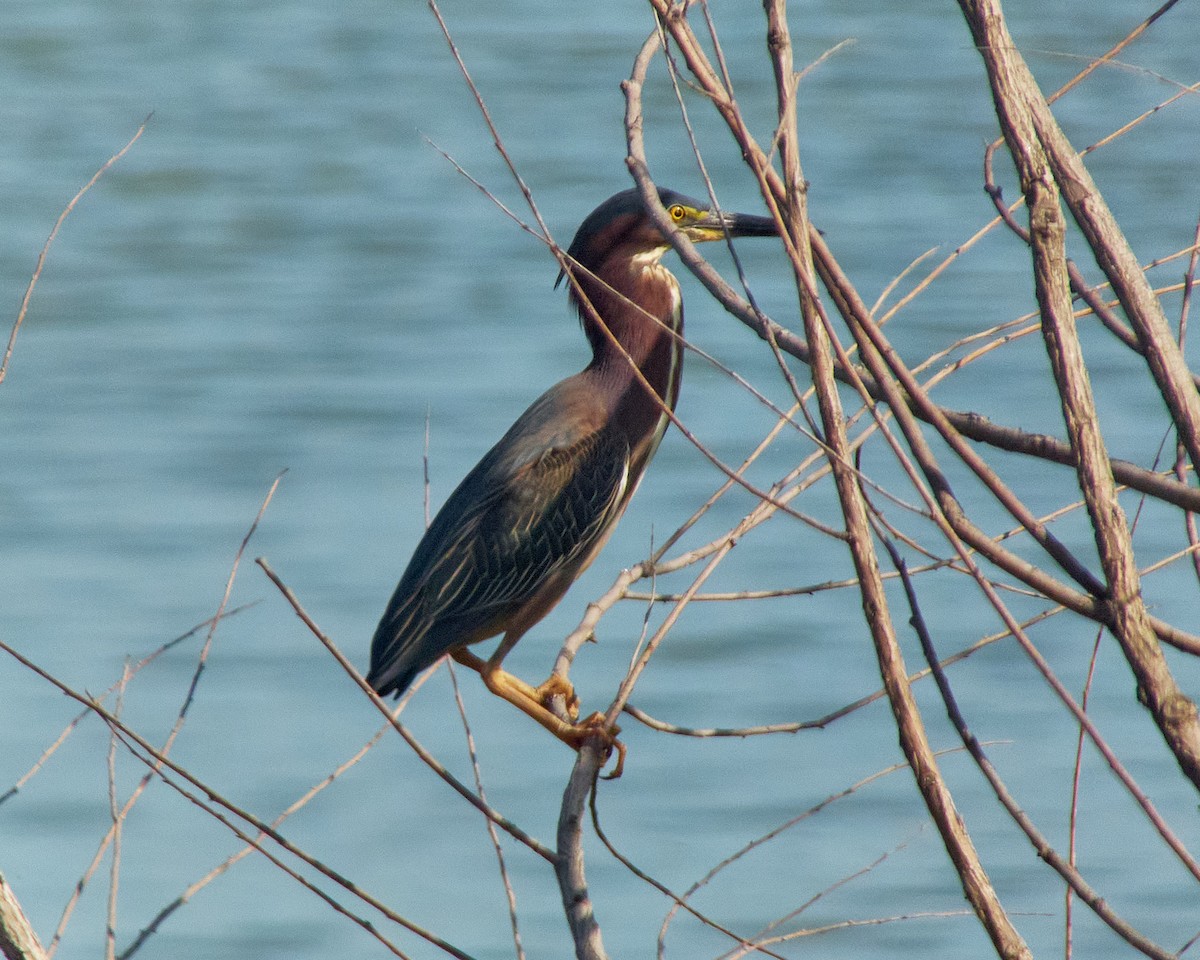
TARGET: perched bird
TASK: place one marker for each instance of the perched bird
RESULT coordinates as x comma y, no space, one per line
535,511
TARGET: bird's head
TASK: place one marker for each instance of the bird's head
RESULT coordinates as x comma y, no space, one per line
621,230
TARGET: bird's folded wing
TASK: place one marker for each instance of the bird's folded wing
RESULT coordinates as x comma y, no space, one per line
499,546
528,527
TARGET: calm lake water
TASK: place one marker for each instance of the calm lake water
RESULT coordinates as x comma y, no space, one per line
285,273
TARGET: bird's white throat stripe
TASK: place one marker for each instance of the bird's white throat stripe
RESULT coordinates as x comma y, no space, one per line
647,258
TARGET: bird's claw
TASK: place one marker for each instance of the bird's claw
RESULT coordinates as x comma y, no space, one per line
596,726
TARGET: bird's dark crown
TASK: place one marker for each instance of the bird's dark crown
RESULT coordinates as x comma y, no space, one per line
624,211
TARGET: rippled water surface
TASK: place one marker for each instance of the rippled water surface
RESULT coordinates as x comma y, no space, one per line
286,273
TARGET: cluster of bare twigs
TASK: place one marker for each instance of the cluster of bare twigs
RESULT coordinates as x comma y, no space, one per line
1052,176
838,357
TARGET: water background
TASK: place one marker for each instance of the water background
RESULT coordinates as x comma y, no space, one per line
284,273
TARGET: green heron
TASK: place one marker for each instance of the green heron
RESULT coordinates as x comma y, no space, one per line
535,511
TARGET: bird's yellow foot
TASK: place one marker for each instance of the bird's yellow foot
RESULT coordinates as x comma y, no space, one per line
596,727
557,685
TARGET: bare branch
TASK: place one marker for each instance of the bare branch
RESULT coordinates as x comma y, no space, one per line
1014,89
462,790
159,763
509,893
568,865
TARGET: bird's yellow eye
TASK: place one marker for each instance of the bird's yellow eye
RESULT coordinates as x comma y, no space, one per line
678,212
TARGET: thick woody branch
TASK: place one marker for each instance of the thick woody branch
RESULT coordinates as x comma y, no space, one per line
1038,149
568,866
909,724
1043,847
969,425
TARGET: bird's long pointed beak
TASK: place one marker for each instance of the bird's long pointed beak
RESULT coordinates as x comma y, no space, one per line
715,226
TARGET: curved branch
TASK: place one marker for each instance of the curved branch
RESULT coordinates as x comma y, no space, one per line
907,396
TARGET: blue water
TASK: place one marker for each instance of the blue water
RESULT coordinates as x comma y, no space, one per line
284,274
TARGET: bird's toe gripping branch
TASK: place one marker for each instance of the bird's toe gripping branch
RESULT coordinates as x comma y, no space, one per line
596,728
536,702
556,685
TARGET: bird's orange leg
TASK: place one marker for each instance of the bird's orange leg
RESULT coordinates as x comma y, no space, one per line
554,686
480,666
532,702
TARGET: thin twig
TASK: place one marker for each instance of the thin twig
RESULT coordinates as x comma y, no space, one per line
823,343
176,727
1049,168
134,669
1189,280
159,763
41,260
216,814
118,819
1013,84
501,821
762,939
1076,778
969,425
510,894
682,901
953,427
225,865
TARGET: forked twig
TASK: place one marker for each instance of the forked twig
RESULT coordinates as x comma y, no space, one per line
134,669
176,727
229,862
